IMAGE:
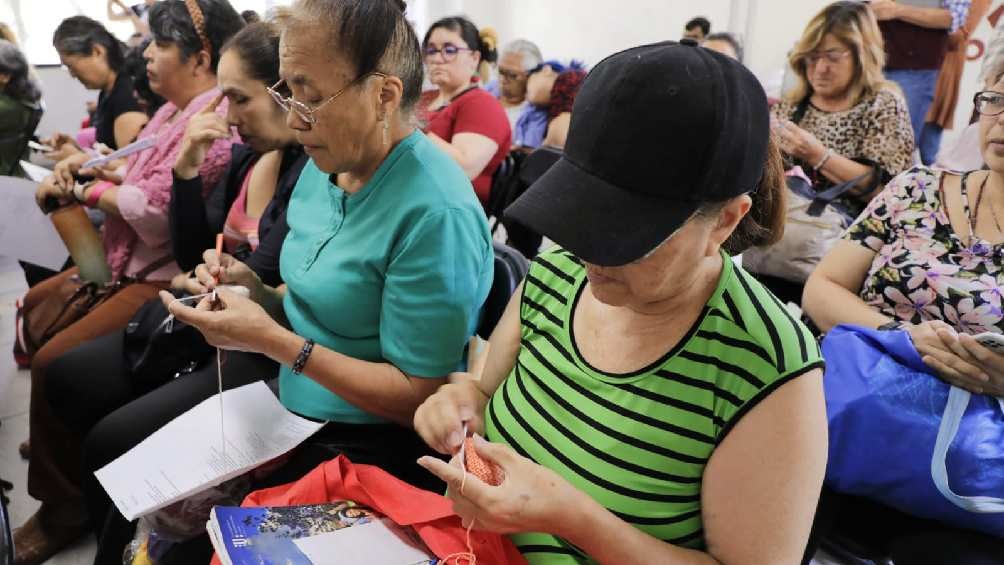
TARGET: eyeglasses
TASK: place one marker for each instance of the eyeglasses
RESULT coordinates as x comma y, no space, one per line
512,75
831,56
449,52
305,112
989,103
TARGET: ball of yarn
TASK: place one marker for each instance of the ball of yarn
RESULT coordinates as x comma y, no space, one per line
489,473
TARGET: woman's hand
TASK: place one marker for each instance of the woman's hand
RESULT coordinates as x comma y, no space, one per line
65,169
440,419
204,128
232,322
48,189
531,498
975,368
109,172
799,143
224,269
63,146
937,344
884,9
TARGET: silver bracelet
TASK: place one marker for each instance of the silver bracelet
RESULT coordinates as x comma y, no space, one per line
826,157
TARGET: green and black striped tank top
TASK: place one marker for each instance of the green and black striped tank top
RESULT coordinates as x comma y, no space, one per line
638,443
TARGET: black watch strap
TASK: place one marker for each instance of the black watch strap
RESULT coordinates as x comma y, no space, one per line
889,326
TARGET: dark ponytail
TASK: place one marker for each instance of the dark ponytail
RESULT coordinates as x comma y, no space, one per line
764,224
77,35
257,45
373,35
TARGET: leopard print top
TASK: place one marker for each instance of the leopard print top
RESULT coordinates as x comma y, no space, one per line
876,131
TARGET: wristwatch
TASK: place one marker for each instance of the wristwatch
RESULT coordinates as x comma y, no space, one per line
889,326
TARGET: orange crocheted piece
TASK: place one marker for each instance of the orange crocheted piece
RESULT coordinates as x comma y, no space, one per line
489,473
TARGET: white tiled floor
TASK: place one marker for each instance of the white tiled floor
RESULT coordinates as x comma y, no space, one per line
14,390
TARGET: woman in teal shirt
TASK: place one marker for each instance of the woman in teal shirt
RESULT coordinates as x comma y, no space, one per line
388,258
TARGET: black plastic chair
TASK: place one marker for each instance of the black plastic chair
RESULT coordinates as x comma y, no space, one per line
510,268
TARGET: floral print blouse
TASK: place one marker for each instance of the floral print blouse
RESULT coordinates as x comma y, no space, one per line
922,269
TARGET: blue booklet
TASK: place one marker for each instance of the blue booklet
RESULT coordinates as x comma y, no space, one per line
264,536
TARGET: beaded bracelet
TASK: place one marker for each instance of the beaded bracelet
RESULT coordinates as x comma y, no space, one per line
301,359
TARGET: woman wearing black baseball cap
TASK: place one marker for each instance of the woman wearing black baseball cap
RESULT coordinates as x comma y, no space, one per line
647,400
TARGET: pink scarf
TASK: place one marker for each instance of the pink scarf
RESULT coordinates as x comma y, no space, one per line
151,172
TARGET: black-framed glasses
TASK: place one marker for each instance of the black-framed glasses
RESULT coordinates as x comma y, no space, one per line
989,103
512,75
831,56
448,51
304,111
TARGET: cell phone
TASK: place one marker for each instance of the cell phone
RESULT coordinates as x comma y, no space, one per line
992,341
36,146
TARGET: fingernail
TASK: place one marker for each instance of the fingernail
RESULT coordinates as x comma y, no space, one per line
479,441
423,461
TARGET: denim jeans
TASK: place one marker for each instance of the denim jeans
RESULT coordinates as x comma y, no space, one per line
930,142
918,88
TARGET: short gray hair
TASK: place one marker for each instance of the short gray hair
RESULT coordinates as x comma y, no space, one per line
526,49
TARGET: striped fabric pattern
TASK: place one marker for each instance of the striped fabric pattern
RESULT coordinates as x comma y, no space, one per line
638,443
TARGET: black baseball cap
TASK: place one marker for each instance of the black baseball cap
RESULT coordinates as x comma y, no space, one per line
656,132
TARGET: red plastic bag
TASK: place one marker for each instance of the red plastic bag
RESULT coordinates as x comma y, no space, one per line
430,514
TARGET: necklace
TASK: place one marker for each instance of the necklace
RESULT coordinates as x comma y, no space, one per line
974,220
993,210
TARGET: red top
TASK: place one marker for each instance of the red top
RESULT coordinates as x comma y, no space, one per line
473,111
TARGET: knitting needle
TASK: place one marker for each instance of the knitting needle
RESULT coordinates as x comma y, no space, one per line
219,353
219,253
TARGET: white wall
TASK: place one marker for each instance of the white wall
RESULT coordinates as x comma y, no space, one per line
65,101
592,29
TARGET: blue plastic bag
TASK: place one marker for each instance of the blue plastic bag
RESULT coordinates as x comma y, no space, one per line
903,437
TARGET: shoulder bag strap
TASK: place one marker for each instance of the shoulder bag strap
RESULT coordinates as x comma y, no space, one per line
149,269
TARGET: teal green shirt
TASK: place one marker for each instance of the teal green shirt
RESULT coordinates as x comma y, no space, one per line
395,273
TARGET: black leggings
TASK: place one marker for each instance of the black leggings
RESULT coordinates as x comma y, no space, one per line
391,447
89,388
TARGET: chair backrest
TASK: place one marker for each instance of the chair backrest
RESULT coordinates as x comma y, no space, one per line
510,268
505,180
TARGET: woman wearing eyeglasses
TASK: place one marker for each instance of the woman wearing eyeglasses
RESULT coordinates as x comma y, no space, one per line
388,258
843,119
462,118
925,257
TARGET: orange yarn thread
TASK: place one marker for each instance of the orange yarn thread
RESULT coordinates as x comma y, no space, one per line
488,473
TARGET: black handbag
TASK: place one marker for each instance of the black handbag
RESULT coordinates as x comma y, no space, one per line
157,348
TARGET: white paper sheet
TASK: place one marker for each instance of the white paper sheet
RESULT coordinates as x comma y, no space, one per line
184,457
374,543
134,147
35,172
25,232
